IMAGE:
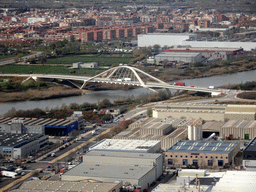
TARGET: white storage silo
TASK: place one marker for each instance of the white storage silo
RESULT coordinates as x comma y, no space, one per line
197,132
190,132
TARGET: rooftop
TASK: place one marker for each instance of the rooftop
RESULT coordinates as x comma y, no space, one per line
177,54
124,154
118,172
178,188
170,34
36,121
213,125
236,181
64,186
125,145
203,146
16,140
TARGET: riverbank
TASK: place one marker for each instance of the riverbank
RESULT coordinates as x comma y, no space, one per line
201,70
34,95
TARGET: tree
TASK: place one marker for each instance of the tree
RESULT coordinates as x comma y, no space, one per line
104,104
149,111
11,112
156,47
97,72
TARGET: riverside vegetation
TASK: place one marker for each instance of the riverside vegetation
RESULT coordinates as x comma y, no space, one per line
12,89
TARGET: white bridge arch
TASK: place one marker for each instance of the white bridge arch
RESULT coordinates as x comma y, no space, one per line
125,75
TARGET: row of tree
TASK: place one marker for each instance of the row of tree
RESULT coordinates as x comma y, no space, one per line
88,108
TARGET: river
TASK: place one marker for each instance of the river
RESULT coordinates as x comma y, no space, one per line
95,97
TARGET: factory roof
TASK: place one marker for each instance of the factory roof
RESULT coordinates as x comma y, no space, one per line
204,49
236,181
36,121
124,154
114,171
203,146
212,125
177,188
178,54
169,34
15,140
125,145
239,124
64,186
191,106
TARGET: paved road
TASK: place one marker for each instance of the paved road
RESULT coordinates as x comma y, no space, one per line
22,58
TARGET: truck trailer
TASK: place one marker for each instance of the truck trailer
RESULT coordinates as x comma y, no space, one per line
9,174
179,83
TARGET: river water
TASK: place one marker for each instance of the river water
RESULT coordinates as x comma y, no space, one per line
95,97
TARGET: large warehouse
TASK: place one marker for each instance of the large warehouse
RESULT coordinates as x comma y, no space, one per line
209,52
237,129
247,46
169,131
179,57
215,112
211,154
138,169
122,145
14,145
190,39
64,186
163,39
54,127
236,181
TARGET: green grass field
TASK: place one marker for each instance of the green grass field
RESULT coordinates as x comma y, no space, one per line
103,60
43,69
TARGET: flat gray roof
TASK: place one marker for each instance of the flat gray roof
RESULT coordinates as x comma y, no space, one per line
64,186
125,145
178,54
117,172
124,154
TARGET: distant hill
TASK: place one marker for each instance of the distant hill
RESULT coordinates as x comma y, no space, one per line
247,6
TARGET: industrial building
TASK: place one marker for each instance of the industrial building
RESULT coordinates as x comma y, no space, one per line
249,156
237,129
64,186
169,131
179,188
80,65
211,127
179,57
205,154
236,181
17,146
20,125
190,39
122,145
163,39
247,46
137,169
209,53
215,112
54,127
